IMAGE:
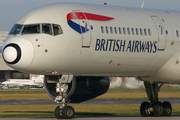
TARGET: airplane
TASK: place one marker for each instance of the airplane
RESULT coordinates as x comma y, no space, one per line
78,46
35,81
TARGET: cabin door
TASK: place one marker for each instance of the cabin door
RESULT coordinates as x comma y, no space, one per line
85,28
161,32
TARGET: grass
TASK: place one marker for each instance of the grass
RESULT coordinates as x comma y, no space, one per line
28,95
21,91
137,95
122,94
81,110
24,97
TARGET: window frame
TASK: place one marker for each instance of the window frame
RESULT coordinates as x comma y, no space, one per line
137,31
115,30
120,30
177,33
107,30
145,32
51,25
102,29
40,28
132,30
149,32
128,31
141,31
124,30
111,30
60,29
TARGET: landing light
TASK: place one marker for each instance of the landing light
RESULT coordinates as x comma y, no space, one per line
62,89
57,90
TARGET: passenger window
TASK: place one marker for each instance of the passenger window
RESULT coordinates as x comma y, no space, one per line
145,32
115,30
141,31
128,31
149,31
120,30
102,29
177,33
132,29
111,30
57,29
137,32
124,30
31,29
46,28
107,31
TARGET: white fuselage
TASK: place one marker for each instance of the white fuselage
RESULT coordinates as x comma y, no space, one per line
153,56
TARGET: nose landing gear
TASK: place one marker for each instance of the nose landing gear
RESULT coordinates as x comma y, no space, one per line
63,111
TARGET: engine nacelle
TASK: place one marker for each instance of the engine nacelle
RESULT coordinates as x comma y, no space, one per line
80,89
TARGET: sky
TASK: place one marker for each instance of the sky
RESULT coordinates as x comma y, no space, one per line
12,10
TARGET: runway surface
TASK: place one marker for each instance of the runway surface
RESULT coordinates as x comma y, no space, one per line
112,117
172,101
102,118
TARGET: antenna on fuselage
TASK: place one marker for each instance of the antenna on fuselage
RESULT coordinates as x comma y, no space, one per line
142,6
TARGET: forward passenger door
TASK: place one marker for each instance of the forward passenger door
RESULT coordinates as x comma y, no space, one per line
85,28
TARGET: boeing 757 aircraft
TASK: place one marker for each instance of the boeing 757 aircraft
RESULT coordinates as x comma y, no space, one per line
78,46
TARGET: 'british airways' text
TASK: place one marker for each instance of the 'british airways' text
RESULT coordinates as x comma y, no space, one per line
126,46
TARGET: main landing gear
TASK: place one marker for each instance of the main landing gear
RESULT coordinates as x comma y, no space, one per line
155,107
63,111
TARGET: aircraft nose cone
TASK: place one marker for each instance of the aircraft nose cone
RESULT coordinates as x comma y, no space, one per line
18,53
12,53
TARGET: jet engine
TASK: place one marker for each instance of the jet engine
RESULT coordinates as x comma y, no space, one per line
80,89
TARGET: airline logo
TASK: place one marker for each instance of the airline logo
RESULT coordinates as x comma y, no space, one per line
79,20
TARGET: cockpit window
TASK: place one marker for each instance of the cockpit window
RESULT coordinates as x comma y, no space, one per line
29,29
57,29
46,28
51,29
16,29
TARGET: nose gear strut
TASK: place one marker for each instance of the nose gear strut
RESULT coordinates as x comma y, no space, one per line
63,111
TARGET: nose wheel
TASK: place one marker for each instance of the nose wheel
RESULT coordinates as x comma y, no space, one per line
67,112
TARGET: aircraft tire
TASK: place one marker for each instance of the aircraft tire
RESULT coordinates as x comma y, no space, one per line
58,113
158,109
167,108
68,112
144,109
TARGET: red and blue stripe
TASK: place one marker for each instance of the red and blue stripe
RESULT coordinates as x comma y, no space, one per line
86,16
